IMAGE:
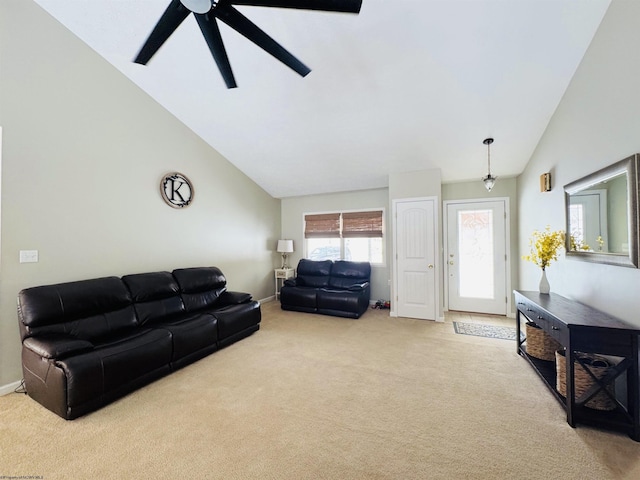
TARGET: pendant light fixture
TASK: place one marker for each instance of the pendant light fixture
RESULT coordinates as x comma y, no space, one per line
489,180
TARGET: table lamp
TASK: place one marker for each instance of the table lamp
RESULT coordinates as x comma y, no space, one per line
285,247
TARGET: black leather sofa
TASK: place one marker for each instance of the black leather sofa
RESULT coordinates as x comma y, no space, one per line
87,343
340,288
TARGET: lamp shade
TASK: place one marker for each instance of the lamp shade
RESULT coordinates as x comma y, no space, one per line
285,246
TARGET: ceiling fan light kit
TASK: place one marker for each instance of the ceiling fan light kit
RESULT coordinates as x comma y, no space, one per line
207,12
489,181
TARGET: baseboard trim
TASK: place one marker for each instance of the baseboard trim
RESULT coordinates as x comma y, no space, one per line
10,388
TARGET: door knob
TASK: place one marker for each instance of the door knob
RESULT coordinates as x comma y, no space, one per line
430,266
451,262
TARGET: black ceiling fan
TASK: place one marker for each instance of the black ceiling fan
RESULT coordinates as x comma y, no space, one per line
206,13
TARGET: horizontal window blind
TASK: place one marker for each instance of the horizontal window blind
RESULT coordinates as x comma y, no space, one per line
362,224
323,225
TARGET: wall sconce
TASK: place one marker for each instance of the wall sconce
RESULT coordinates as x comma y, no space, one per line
545,182
285,247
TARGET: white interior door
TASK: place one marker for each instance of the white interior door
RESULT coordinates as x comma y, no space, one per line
415,230
476,257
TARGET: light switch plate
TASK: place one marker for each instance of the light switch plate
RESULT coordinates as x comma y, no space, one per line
28,256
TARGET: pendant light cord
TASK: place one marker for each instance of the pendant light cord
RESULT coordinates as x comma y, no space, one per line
488,142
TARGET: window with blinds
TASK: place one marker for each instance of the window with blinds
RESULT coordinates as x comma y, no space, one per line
325,225
362,224
356,236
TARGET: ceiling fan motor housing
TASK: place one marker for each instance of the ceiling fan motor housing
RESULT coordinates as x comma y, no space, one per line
198,6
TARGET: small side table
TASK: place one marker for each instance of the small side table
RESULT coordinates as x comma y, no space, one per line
283,274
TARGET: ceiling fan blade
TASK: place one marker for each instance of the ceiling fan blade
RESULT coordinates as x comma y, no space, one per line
347,6
171,19
211,34
250,30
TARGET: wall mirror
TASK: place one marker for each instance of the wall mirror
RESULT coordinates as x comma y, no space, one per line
602,215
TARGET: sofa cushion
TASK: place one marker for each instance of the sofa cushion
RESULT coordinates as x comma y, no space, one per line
313,273
200,287
117,362
298,298
234,319
191,333
342,303
86,309
345,274
156,296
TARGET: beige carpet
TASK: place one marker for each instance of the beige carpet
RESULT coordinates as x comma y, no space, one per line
316,397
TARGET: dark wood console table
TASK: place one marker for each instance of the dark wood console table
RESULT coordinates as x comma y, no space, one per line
579,328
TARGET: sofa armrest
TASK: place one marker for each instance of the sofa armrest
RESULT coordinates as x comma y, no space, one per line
290,282
358,286
57,346
234,298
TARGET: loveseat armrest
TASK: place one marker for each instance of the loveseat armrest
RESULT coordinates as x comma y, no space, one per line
290,282
358,286
233,298
57,346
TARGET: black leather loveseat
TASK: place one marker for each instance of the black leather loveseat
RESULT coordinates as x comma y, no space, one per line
87,343
338,288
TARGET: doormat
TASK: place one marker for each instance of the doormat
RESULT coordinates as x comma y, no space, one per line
483,330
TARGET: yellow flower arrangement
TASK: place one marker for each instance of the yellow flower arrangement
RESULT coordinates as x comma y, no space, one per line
544,247
578,245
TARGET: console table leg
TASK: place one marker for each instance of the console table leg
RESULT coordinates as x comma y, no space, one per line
633,389
518,343
570,400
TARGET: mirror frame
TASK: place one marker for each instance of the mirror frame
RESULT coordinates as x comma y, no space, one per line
629,166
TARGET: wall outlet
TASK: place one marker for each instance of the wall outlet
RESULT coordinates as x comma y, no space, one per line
28,256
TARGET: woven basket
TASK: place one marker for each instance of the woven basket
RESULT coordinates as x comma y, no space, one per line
540,344
598,365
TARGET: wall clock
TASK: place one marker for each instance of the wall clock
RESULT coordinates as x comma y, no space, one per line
176,190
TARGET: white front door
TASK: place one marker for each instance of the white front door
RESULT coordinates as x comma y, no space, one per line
476,257
415,236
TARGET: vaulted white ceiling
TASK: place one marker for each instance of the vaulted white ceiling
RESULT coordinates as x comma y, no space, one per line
405,85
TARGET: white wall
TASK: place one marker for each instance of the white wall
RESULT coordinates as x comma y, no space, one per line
294,208
83,154
596,123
